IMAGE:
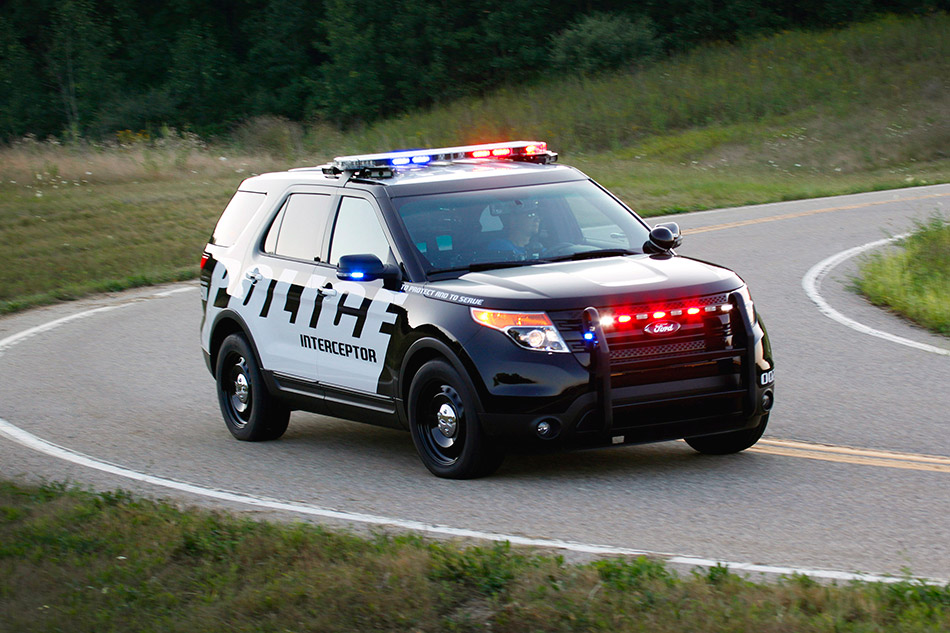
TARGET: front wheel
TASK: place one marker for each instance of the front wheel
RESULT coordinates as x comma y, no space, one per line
250,412
732,442
445,426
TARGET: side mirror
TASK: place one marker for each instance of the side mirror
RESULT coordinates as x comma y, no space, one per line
663,238
366,267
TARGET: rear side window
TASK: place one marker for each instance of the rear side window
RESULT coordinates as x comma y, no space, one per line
236,216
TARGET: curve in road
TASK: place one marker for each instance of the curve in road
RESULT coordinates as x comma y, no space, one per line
681,494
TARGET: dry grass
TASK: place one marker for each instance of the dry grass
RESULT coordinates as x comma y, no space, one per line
45,165
75,219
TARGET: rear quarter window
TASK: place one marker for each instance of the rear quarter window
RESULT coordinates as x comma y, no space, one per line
236,216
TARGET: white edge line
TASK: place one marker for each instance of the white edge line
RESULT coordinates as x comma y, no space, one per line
28,440
31,441
811,283
12,340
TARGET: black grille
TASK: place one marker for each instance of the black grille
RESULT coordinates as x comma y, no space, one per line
620,355
696,371
630,343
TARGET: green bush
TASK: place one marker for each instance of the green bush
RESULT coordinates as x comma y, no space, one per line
602,42
914,280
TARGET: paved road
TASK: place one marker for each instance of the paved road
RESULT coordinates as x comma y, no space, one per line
853,474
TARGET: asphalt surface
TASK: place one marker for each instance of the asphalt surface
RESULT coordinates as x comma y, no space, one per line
127,386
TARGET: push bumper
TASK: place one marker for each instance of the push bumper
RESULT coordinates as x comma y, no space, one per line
603,414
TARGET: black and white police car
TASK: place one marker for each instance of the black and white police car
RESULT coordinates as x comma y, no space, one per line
480,297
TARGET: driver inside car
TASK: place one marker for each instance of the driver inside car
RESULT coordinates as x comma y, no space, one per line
521,229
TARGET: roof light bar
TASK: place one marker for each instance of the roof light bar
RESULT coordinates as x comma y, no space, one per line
531,151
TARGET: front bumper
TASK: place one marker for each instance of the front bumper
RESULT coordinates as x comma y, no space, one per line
677,396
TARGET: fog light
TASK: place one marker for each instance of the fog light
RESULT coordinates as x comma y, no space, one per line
547,428
767,401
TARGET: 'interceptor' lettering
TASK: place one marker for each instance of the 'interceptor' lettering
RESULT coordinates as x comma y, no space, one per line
327,346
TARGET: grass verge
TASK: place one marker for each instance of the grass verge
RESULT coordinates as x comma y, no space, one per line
913,280
76,561
82,219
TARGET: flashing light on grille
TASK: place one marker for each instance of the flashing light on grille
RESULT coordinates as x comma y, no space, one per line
609,320
534,151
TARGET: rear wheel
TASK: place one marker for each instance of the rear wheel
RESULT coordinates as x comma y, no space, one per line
732,442
445,426
250,412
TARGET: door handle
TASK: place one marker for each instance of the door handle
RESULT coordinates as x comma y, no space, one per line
254,275
326,291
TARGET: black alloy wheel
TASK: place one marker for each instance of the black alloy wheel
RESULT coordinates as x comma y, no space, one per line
250,412
445,427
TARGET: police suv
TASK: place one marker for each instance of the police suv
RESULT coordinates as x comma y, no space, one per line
480,297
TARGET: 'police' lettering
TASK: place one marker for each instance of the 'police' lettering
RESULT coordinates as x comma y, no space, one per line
359,313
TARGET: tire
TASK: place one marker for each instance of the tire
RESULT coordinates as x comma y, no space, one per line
250,412
445,426
727,443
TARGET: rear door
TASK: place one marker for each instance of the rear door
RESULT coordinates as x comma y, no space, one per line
285,278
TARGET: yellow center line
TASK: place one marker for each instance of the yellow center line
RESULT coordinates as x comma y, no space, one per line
851,455
839,454
802,214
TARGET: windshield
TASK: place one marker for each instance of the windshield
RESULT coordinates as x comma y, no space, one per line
496,228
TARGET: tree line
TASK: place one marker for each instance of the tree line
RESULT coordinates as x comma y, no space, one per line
92,67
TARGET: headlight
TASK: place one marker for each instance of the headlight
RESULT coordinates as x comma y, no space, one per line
747,300
530,330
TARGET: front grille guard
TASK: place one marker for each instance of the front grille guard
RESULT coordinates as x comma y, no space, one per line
599,365
596,343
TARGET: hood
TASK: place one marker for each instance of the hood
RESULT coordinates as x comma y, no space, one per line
561,285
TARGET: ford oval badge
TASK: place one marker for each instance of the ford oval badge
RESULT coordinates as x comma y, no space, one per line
662,328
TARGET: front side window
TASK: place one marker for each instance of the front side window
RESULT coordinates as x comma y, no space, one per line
532,224
358,231
297,231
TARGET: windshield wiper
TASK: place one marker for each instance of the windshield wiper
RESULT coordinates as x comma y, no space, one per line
603,252
479,266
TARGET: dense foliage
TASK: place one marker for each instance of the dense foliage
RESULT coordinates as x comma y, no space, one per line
93,67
